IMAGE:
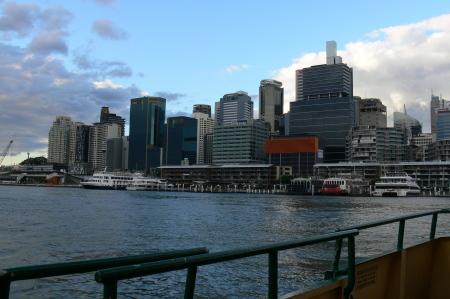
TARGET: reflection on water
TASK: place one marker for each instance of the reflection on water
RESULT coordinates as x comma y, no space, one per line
48,225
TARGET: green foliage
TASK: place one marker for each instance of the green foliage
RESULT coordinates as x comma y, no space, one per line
34,161
286,179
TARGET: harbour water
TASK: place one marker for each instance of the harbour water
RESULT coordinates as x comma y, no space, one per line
50,225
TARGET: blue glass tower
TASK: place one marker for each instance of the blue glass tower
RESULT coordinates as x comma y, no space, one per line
147,115
180,140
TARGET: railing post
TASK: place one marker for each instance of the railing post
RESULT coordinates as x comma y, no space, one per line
190,283
351,267
337,256
401,234
433,226
273,275
110,289
4,288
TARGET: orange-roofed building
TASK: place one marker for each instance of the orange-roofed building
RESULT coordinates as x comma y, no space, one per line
299,153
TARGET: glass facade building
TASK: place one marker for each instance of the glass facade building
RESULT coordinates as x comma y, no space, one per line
324,105
443,124
241,142
147,115
180,140
235,106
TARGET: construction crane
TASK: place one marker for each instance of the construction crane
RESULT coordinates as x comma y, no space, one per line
5,152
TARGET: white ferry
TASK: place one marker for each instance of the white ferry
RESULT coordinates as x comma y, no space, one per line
345,184
111,180
146,184
334,186
396,184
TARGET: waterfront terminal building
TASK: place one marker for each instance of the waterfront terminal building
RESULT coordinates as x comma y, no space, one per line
427,174
263,175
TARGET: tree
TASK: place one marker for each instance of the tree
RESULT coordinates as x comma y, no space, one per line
34,161
286,179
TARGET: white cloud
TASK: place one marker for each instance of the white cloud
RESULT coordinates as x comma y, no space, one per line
399,65
107,84
235,68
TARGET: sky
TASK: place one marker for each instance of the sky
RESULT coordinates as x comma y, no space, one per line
73,57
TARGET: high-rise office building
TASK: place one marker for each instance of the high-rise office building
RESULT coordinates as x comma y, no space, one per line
147,115
370,112
271,103
205,125
180,140
59,140
235,106
105,116
202,108
241,142
115,153
324,105
82,143
435,104
442,124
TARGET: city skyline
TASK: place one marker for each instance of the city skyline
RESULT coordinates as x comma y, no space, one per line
70,59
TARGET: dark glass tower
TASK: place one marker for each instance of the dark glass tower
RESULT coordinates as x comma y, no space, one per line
325,106
180,140
147,116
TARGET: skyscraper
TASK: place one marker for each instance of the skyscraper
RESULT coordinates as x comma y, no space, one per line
180,140
147,115
324,105
59,140
370,112
202,108
271,103
205,126
435,104
99,133
235,106
105,116
241,142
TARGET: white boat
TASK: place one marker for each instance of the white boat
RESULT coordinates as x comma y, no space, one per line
146,184
396,184
111,180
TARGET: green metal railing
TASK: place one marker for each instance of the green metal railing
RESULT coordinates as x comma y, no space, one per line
335,271
40,271
110,277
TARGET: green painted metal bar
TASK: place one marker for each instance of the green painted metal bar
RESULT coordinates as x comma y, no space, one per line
110,290
331,273
120,273
351,267
49,270
4,287
190,283
334,271
273,275
401,234
433,226
392,220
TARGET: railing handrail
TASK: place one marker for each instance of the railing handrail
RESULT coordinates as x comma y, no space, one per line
391,220
110,277
334,271
56,269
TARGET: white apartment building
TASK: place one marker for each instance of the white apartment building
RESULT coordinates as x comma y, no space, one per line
205,125
98,136
59,140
